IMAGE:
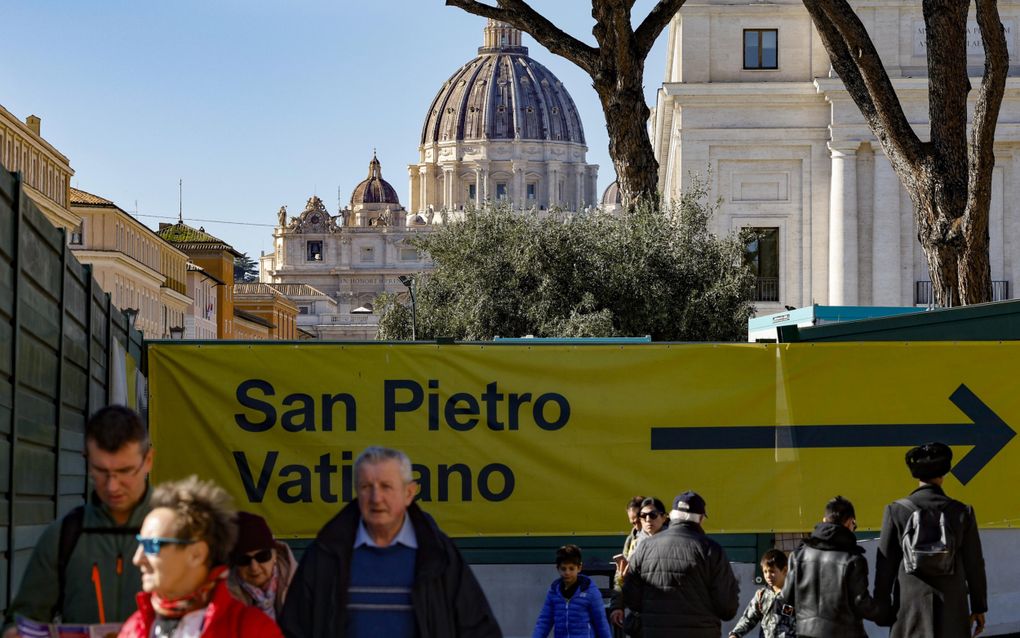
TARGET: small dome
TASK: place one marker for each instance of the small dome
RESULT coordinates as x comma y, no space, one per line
374,189
502,95
612,196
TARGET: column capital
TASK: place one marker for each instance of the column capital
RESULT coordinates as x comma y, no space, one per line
844,147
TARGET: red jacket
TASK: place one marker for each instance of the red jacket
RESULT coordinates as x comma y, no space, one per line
226,617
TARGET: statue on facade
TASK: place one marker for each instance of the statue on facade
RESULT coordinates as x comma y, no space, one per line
430,214
282,216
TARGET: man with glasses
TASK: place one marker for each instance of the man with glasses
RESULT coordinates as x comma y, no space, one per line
827,583
680,580
81,570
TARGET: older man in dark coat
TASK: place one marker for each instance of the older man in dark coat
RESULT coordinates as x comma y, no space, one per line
680,580
932,606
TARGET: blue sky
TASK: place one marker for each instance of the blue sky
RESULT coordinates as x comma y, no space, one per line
253,103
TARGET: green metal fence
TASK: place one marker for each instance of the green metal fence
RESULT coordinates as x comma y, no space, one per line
56,331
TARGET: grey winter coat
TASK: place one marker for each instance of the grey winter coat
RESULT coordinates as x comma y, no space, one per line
682,584
937,607
828,585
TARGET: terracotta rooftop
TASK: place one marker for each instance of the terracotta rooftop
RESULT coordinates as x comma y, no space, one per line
298,290
82,198
247,316
185,237
193,267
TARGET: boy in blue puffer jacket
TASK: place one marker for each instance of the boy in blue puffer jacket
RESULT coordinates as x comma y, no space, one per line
573,607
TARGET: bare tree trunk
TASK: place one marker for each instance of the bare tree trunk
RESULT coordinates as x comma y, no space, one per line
617,68
949,180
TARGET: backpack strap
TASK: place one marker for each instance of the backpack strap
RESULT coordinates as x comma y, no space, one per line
71,528
909,504
70,531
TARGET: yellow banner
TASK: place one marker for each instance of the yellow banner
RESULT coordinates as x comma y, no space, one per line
555,439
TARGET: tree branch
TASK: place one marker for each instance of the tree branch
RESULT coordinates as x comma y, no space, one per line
986,111
858,64
520,14
653,24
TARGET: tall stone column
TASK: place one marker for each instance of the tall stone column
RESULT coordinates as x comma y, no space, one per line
423,174
478,187
448,188
843,224
553,173
885,236
518,196
579,190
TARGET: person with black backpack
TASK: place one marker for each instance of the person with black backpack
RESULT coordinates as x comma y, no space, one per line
81,571
929,556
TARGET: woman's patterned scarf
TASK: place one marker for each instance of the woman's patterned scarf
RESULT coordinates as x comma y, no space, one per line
264,599
169,611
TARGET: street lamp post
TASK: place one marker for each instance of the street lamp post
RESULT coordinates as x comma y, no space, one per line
408,280
131,314
177,333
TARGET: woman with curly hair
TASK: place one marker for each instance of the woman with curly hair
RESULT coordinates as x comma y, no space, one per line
183,549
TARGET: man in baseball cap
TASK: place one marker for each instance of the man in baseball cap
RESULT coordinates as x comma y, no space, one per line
680,580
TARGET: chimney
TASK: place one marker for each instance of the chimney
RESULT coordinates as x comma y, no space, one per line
33,122
163,225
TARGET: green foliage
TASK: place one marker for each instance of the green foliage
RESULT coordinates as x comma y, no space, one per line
656,271
246,269
394,320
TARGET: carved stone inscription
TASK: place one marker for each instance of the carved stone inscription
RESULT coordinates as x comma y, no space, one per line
974,47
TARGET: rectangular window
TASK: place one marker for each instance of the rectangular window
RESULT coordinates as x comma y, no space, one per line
367,253
408,254
763,257
761,49
500,192
77,236
532,192
314,251
472,192
302,310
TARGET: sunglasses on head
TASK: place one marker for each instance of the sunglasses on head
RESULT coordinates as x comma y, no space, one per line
649,516
261,556
152,544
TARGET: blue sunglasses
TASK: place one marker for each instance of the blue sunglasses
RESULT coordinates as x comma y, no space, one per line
152,544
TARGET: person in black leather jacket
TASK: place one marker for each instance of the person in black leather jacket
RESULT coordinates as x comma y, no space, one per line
828,579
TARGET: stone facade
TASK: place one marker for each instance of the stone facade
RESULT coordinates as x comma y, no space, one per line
749,95
216,258
503,127
200,323
267,303
345,260
132,263
45,171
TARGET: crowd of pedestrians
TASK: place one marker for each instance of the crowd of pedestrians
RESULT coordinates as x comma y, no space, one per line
929,582
179,561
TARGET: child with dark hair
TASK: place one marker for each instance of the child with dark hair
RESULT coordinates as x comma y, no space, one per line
767,607
573,605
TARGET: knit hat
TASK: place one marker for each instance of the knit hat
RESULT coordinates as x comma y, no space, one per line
252,534
929,461
690,502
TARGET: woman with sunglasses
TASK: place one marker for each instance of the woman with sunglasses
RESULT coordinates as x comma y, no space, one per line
261,568
183,548
651,519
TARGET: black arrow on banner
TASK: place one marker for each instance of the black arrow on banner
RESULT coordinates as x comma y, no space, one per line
986,432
